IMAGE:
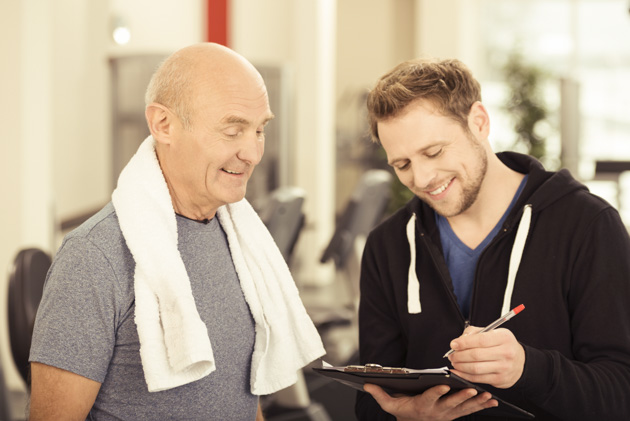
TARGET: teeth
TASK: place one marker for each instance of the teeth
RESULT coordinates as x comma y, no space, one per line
230,172
440,189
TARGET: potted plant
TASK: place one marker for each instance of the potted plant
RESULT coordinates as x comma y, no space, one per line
526,105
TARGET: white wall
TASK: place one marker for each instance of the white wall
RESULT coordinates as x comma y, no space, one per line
10,215
370,43
301,34
159,25
448,29
80,127
26,216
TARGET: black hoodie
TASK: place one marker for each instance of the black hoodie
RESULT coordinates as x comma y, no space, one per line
573,278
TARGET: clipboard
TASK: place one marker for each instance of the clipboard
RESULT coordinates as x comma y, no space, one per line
412,382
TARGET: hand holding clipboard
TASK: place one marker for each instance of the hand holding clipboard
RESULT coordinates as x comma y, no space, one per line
414,382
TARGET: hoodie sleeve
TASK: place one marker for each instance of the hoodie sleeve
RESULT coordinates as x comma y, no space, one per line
595,382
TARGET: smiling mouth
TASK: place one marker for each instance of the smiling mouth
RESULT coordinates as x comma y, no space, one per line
441,188
232,172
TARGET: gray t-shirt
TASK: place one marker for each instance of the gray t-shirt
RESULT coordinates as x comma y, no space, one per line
85,324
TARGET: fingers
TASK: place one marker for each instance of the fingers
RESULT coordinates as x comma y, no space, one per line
470,330
468,402
390,403
501,373
435,403
475,404
437,392
407,407
482,340
464,402
494,358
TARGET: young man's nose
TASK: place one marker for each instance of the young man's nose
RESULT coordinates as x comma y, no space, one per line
424,177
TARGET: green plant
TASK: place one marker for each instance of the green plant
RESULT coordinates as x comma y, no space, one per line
526,104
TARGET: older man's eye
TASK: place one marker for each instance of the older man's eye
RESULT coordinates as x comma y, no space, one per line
435,154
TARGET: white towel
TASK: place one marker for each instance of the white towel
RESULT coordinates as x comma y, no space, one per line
174,345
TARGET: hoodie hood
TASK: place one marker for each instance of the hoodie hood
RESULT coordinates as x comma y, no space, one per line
542,189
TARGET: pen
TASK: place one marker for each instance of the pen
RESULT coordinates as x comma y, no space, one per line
507,316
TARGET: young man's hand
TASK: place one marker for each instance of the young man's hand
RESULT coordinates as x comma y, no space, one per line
495,358
432,404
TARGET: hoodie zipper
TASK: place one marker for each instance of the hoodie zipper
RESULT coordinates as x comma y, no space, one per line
499,237
495,240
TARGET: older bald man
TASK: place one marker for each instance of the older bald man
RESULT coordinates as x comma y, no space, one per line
206,108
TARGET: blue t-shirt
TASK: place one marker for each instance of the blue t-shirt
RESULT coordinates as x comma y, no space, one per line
462,260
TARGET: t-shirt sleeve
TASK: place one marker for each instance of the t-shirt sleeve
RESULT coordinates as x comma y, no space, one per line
76,321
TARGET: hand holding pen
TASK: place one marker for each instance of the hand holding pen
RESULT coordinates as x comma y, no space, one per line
495,324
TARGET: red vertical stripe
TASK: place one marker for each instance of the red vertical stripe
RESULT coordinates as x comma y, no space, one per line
218,21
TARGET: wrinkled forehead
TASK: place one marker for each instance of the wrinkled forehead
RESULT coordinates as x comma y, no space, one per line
232,96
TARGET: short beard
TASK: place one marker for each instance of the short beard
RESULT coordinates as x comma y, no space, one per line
470,191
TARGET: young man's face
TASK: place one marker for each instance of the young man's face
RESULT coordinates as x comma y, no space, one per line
435,157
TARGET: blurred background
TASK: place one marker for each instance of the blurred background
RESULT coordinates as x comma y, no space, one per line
555,77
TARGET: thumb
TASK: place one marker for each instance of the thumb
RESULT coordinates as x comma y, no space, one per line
377,393
385,401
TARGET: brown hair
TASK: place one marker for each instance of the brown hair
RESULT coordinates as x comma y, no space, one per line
446,84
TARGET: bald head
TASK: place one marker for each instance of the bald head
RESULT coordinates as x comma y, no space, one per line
175,83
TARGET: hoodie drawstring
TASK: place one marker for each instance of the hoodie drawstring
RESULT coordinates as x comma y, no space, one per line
515,257
413,285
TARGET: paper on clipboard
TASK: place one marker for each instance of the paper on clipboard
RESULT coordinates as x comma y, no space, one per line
389,370
393,380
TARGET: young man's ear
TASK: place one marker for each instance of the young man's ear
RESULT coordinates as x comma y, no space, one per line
479,121
160,121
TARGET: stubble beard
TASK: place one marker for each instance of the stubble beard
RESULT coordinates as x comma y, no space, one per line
470,189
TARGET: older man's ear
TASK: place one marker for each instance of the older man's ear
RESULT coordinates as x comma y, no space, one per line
160,121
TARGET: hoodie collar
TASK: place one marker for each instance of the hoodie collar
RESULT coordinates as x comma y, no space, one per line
542,189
